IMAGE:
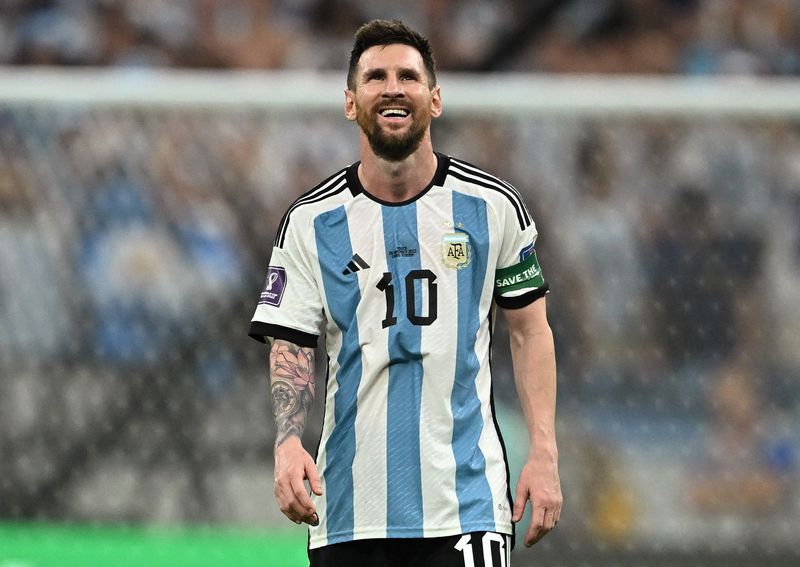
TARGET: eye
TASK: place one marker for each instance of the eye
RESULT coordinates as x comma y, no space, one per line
374,76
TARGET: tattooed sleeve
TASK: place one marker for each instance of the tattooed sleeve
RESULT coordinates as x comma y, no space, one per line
291,370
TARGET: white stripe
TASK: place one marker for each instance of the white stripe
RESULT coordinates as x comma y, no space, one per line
489,441
439,499
369,467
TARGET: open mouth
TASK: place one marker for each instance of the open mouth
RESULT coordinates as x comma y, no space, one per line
394,113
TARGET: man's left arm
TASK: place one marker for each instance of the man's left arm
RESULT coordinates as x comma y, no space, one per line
533,354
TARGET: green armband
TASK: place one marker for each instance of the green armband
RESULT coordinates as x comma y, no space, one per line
525,275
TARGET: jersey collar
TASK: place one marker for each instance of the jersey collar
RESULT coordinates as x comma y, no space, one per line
356,188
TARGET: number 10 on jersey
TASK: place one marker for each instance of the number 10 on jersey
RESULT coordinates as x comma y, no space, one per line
425,277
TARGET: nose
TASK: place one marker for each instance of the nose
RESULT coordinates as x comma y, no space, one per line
393,86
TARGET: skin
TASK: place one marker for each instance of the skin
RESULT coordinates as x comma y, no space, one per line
393,76
293,382
533,355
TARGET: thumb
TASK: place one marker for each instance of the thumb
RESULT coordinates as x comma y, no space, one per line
313,477
519,502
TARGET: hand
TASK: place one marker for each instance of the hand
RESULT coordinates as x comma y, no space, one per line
539,483
293,465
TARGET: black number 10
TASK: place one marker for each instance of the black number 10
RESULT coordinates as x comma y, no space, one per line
385,285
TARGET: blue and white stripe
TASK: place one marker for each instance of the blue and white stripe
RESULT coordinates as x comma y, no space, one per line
409,447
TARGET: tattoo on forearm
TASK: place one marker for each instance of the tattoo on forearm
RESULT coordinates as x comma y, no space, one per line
291,370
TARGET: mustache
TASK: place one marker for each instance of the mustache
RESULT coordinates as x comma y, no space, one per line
393,103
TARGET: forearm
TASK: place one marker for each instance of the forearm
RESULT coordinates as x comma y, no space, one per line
293,384
533,354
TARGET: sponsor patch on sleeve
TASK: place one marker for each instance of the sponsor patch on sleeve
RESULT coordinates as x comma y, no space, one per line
524,276
274,286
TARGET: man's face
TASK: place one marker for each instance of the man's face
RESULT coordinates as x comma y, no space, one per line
393,102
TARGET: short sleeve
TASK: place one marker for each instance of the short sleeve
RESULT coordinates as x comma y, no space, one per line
518,277
290,305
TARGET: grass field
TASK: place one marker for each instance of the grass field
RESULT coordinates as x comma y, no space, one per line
54,545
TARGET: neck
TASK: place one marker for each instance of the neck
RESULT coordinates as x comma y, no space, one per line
397,181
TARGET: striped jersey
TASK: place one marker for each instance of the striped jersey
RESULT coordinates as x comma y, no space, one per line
405,293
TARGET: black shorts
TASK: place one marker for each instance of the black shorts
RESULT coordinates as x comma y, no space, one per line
477,549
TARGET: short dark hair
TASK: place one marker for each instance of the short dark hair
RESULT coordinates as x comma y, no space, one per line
387,32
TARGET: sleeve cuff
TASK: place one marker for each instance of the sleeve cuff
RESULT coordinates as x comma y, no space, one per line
259,330
519,301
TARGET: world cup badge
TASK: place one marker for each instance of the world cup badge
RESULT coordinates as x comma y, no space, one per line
456,250
274,286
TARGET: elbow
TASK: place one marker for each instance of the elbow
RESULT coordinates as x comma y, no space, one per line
538,334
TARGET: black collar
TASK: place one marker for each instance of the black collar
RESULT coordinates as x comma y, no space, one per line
354,183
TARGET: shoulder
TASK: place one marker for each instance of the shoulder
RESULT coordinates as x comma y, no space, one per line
330,193
477,181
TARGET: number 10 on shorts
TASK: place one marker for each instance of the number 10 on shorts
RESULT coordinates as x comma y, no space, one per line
464,545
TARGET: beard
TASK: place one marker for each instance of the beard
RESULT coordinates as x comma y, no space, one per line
390,146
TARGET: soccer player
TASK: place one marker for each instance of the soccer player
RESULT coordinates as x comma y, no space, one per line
402,257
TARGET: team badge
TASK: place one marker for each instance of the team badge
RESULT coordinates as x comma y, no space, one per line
456,250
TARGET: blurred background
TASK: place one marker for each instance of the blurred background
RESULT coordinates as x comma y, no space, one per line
135,426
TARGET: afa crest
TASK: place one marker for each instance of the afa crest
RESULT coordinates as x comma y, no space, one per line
456,250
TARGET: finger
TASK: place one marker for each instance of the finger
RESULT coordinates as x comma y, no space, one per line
549,520
535,529
557,509
303,504
519,503
285,503
285,494
313,478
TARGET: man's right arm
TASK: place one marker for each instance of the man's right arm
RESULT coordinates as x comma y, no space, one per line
293,384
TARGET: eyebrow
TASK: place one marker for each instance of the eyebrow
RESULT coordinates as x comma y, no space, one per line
412,72
370,73
377,71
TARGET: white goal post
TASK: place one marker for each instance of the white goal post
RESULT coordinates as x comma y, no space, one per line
499,94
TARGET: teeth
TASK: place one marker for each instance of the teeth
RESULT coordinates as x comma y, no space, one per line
392,112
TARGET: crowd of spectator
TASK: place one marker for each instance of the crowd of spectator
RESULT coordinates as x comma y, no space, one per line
584,36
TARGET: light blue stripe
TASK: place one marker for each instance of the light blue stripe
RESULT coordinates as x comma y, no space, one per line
343,295
472,486
404,482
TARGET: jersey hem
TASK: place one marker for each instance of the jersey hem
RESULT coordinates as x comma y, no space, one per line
343,537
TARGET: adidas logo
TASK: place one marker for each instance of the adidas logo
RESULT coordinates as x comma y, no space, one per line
355,264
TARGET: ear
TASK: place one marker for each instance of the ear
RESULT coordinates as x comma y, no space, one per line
436,101
349,105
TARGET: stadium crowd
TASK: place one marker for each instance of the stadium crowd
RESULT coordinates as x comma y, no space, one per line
583,36
133,242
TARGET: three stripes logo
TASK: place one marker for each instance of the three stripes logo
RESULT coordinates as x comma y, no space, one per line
354,265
